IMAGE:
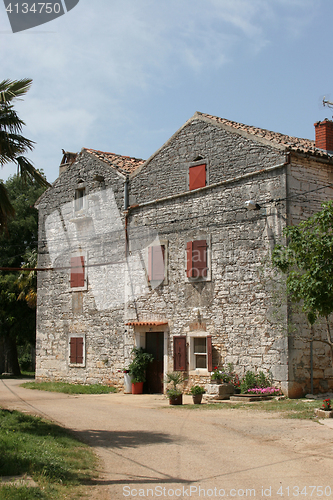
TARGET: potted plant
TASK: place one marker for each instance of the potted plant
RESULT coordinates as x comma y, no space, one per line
174,393
127,380
220,376
137,369
197,391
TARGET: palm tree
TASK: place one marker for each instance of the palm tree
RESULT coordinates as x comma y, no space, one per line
12,144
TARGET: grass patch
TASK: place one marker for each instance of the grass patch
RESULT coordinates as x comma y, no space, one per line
285,408
68,388
56,461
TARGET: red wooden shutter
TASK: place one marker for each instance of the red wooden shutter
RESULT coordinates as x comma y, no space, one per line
79,350
197,176
150,263
189,270
199,258
76,350
77,271
156,263
179,353
209,353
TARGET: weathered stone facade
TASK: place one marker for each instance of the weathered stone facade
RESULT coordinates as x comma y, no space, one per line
234,305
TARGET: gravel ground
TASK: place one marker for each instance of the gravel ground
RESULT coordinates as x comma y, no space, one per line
150,450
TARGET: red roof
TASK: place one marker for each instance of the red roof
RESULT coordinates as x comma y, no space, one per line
290,143
125,164
146,323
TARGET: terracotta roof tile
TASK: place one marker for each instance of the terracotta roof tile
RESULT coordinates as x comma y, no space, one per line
125,164
146,323
290,143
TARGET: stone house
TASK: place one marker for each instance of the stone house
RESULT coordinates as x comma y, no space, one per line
172,254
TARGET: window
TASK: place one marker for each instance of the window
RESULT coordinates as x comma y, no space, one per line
156,259
78,275
197,176
156,262
79,199
76,351
196,259
201,353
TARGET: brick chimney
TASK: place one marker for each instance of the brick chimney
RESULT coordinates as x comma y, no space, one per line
324,135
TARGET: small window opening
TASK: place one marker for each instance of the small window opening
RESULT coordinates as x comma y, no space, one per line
79,199
200,352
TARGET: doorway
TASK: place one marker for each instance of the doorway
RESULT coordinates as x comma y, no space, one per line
154,372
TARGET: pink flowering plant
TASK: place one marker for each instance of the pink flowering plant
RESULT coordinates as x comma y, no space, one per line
326,405
265,391
258,383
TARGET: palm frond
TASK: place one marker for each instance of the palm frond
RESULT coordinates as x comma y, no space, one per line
13,89
28,171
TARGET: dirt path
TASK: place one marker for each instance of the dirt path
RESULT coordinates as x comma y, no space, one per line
151,450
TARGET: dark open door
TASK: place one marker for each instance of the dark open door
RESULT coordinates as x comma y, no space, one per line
154,372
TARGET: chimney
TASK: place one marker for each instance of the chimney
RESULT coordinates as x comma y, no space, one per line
324,135
67,159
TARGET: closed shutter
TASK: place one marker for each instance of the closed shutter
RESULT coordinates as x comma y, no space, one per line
156,263
77,271
179,353
76,350
197,176
189,270
209,353
199,258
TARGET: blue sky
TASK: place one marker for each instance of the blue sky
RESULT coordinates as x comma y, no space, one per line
123,76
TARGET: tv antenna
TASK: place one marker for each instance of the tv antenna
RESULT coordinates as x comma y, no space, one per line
327,103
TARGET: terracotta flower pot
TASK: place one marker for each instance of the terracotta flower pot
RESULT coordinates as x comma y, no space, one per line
197,399
137,388
176,400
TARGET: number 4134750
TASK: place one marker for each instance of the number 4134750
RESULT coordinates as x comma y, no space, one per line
311,491
36,8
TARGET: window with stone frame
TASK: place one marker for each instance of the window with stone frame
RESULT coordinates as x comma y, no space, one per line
197,176
79,199
201,353
197,259
156,263
77,272
77,350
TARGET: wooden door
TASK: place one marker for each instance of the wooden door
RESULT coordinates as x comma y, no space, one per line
154,372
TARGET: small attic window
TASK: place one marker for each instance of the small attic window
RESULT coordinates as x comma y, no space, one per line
198,158
79,199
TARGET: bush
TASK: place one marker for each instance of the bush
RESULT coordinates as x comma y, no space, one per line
252,380
197,389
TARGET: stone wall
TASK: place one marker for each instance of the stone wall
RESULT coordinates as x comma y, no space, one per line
94,312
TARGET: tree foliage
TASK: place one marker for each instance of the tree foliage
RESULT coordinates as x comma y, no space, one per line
18,249
307,259
13,145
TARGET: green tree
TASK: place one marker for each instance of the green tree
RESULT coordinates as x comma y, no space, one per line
307,259
12,144
18,250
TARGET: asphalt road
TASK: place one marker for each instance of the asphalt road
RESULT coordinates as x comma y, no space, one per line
150,450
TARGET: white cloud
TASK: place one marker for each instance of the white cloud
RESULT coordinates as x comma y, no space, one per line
90,65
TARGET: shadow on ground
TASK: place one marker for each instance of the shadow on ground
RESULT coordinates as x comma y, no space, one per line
119,440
